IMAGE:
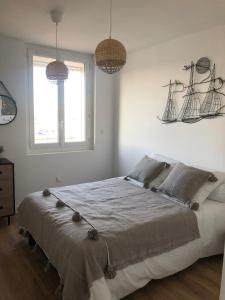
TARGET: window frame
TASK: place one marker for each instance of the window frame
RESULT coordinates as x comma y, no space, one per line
61,146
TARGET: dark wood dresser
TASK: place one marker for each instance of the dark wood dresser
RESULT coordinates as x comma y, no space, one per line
7,189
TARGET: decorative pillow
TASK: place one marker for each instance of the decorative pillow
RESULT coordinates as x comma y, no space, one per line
218,194
146,170
183,182
165,172
208,188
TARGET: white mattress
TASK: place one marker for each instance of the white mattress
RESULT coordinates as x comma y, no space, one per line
211,222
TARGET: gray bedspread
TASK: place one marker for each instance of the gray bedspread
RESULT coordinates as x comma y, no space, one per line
133,222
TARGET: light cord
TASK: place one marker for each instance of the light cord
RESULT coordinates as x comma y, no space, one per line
110,19
56,40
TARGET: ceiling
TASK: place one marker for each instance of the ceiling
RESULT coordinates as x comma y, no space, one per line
137,23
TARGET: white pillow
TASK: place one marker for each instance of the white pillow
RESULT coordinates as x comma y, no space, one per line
208,188
218,194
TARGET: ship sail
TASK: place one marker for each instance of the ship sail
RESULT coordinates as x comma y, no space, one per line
190,111
170,114
212,103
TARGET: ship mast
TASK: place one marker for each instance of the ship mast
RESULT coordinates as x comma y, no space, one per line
170,114
190,109
212,103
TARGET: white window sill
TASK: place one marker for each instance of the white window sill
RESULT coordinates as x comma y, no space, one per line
56,152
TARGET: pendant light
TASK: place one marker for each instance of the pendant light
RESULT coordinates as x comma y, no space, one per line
56,71
110,54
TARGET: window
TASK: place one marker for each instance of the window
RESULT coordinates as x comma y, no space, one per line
61,116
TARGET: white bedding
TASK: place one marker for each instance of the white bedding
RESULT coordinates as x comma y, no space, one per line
211,223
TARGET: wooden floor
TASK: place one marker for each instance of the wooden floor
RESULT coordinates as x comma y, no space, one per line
22,275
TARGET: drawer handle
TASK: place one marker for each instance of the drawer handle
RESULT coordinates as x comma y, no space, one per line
1,207
1,189
1,172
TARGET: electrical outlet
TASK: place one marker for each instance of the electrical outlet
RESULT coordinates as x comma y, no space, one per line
58,179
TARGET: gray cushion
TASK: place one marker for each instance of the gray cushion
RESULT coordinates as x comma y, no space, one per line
165,172
147,170
183,182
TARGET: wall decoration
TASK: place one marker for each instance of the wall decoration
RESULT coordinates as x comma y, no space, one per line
203,65
190,109
198,104
170,112
8,108
212,103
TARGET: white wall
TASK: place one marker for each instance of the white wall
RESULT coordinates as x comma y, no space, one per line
36,172
142,98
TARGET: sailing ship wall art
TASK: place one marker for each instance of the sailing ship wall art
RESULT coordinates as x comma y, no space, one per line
197,104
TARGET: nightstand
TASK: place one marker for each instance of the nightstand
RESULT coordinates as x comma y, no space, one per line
222,289
7,189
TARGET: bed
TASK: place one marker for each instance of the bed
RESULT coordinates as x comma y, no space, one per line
212,230
53,220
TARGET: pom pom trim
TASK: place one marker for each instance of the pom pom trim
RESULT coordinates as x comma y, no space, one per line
212,178
92,234
154,189
46,193
60,203
195,206
110,272
76,217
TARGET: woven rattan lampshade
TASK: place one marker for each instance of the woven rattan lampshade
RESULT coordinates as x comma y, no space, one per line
110,55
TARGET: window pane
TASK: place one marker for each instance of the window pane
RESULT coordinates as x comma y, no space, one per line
74,103
45,96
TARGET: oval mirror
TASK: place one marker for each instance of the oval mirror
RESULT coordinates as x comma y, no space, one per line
8,109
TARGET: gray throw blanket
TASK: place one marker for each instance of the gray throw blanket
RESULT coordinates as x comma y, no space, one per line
133,224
